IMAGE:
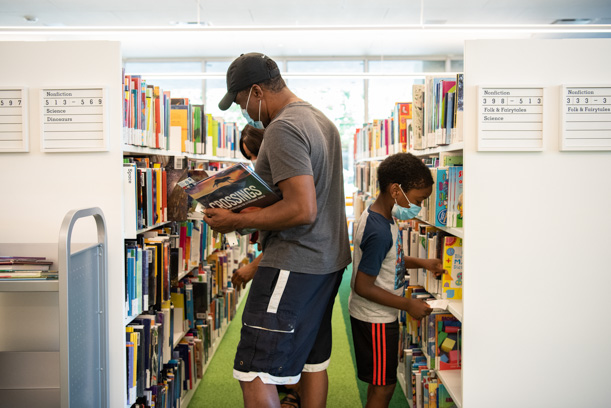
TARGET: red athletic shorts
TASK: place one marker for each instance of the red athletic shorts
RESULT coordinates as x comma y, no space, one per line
376,348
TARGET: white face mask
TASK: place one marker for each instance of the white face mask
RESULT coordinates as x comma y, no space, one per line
258,124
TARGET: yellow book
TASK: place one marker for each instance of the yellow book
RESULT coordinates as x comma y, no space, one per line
451,281
178,300
179,116
159,202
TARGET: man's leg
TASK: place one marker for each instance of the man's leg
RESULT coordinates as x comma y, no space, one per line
258,394
314,387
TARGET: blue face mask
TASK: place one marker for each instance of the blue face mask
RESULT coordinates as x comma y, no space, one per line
258,124
403,213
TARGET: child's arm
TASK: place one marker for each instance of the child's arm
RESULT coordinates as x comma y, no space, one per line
434,265
364,286
245,273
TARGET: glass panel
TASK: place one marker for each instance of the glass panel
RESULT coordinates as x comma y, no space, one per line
216,89
179,88
385,92
341,100
457,66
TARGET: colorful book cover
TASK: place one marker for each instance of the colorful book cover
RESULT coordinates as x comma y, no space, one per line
459,197
451,281
441,201
404,110
234,188
418,117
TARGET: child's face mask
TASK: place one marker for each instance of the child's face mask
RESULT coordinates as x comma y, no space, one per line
403,213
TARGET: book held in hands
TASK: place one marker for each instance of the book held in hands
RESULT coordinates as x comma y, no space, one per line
235,188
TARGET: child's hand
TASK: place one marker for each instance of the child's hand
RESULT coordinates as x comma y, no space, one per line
418,308
243,275
434,265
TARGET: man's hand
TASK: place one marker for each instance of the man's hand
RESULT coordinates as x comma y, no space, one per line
220,219
418,308
433,265
243,275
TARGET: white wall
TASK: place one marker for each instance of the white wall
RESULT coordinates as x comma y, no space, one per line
38,189
536,331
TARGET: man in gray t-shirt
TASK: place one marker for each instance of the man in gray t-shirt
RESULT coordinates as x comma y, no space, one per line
286,326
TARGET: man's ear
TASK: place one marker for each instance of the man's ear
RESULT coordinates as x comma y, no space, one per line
257,91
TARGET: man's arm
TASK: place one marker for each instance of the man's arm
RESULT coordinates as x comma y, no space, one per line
297,207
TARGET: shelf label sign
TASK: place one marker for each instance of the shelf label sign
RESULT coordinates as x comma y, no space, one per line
73,119
585,118
13,120
510,118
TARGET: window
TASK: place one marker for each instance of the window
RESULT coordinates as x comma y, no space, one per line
216,89
183,88
385,92
340,99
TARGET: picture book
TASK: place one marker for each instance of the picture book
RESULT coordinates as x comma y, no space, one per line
451,281
234,188
441,202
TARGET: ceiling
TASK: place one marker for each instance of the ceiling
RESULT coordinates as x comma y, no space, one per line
206,28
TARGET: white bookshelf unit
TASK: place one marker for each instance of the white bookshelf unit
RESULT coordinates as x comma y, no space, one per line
536,235
45,186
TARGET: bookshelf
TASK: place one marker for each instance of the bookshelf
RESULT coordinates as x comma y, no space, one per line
50,184
439,148
173,244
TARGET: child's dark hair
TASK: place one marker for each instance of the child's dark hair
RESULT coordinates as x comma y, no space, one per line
252,138
406,169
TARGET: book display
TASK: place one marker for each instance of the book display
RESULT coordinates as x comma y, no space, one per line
429,348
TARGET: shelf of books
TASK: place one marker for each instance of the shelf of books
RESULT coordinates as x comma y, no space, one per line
430,127
179,299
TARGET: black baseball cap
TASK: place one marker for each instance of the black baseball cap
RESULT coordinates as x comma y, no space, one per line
244,71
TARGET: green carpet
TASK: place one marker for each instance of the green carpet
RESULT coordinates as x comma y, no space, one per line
219,389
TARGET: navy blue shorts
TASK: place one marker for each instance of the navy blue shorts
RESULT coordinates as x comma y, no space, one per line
286,326
376,346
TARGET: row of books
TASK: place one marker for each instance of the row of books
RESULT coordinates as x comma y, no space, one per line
26,268
192,316
424,388
153,118
152,196
157,258
433,118
444,207
442,109
159,374
421,240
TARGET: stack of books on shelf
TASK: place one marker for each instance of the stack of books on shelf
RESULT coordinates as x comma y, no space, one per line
154,119
19,268
433,118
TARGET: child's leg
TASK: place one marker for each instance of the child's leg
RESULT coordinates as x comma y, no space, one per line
379,396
